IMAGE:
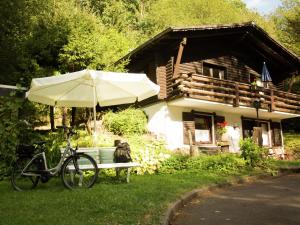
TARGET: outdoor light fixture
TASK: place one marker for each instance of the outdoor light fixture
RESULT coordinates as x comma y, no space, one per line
257,105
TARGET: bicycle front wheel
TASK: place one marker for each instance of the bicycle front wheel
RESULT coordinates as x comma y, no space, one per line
21,179
79,171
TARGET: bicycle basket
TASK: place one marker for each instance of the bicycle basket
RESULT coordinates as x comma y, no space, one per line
25,150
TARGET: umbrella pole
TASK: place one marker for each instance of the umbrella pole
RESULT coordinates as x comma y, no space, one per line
94,109
94,112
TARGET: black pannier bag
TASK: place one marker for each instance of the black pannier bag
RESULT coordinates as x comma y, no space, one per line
122,153
24,150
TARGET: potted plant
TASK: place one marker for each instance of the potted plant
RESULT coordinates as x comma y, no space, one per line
221,138
221,130
253,86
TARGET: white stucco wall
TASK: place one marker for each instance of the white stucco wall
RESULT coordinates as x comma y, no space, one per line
166,122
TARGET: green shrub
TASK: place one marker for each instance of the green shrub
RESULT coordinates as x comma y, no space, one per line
173,164
224,163
145,149
126,122
149,152
84,139
254,155
292,144
10,129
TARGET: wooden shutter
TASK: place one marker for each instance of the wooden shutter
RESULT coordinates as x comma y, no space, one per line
218,119
276,134
188,124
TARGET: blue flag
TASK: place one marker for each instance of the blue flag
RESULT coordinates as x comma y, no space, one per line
265,75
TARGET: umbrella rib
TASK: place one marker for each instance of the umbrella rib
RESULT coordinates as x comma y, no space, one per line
51,85
120,88
68,91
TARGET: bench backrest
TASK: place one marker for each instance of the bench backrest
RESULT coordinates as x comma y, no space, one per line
102,155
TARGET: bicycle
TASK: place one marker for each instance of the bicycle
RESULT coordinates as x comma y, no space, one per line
77,170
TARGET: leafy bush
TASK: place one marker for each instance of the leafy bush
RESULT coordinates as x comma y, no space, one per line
225,163
126,122
9,131
84,139
145,149
254,155
149,152
173,164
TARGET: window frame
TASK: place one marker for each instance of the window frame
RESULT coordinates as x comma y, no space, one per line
213,68
209,121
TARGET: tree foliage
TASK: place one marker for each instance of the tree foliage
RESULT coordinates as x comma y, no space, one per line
287,21
195,12
39,38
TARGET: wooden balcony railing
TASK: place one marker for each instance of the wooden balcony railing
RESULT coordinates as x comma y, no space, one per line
235,93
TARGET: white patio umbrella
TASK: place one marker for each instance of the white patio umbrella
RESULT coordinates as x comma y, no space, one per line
86,88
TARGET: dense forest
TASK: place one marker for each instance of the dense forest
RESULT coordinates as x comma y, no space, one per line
43,38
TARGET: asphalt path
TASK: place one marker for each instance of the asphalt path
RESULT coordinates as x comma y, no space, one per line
274,201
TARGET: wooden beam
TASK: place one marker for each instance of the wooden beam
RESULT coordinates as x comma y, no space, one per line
272,105
179,56
237,96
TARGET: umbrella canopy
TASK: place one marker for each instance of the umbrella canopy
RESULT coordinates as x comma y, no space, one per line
265,75
86,88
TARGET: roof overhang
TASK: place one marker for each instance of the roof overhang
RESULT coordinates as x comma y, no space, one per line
249,34
207,106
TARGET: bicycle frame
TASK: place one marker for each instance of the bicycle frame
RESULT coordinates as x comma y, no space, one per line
52,171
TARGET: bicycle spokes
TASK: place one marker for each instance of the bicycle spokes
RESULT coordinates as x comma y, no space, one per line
79,171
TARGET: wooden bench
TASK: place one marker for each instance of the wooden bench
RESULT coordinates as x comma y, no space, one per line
107,161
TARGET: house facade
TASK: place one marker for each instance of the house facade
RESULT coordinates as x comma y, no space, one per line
211,89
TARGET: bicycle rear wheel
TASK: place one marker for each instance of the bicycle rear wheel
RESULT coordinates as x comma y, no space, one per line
79,172
23,182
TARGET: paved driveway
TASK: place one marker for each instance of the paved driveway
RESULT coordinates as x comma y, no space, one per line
273,201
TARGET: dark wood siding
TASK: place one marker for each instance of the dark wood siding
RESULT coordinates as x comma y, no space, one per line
236,70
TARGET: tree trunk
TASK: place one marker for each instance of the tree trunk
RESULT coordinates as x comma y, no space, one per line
88,120
64,118
73,119
52,122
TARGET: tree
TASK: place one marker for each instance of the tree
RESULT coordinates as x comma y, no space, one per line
167,13
287,21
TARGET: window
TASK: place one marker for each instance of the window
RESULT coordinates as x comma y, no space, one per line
215,71
203,129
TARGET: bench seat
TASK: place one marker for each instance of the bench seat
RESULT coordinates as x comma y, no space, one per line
95,154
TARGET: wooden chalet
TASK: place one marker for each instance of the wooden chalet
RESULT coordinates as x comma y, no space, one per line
212,74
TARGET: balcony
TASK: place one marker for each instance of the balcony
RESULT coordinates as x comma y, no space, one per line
236,94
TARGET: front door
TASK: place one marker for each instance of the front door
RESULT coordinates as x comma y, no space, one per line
265,133
249,124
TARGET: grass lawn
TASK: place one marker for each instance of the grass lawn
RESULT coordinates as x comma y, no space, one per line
142,201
